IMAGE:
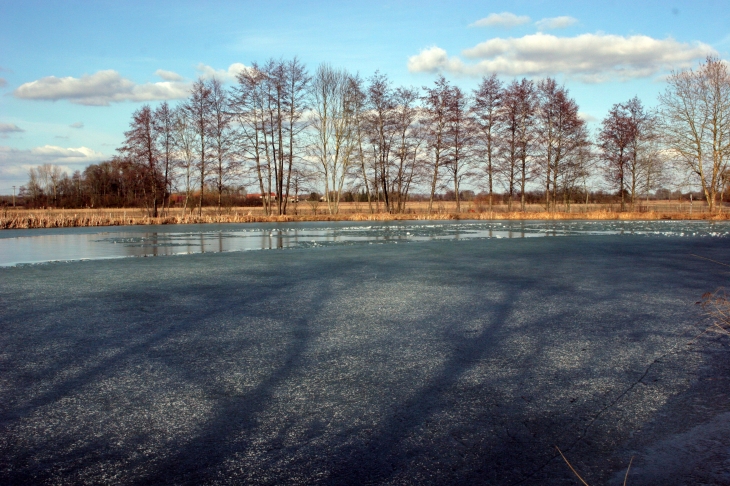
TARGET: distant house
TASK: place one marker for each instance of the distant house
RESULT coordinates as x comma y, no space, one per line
271,197
257,195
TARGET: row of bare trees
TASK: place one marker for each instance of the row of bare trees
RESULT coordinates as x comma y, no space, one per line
285,131
282,130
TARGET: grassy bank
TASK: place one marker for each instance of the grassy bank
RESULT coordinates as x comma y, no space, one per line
62,218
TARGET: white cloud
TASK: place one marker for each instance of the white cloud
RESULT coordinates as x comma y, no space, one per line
434,59
80,154
556,22
592,58
168,75
587,117
77,125
9,128
14,163
100,89
504,19
225,75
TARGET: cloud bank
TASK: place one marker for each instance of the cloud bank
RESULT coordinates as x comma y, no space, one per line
101,89
15,163
592,58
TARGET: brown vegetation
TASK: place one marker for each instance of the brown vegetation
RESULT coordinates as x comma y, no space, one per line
61,218
717,307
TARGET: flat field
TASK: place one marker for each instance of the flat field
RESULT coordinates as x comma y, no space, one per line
442,362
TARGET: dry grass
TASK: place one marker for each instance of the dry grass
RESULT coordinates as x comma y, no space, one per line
61,218
626,476
717,307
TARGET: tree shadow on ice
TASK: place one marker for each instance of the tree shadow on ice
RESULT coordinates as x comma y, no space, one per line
88,360
458,379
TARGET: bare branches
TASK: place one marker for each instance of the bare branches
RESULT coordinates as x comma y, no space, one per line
278,126
615,138
333,119
198,108
695,122
485,110
141,146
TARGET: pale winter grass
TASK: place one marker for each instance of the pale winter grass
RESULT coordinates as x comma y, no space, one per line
583,481
717,306
60,218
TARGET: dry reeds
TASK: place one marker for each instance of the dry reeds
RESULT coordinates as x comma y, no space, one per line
717,307
58,218
583,481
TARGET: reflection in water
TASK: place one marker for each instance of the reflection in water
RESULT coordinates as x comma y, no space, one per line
33,246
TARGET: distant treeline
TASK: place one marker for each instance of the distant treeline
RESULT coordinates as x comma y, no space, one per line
284,134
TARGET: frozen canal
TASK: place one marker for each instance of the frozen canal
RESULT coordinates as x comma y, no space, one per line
423,353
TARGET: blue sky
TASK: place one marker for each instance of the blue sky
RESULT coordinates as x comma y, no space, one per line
71,73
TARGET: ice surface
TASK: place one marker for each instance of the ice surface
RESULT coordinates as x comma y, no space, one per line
68,244
441,362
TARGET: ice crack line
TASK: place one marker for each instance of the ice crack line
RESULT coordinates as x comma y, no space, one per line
673,350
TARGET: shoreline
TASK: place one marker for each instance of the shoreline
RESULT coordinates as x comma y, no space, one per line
31,219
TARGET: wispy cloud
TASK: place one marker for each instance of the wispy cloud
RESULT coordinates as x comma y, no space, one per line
3,82
556,23
592,58
77,125
168,75
10,128
504,19
54,152
100,89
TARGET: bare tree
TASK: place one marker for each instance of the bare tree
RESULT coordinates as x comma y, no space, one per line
575,171
198,108
527,98
359,106
654,164
642,158
695,114
485,110
517,120
44,182
407,145
436,107
294,104
163,123
34,187
221,138
273,136
615,137
380,124
460,138
185,149
333,129
250,99
140,144
561,134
